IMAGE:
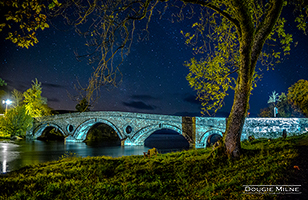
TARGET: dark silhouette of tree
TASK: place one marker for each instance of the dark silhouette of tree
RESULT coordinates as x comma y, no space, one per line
3,95
281,103
83,106
233,34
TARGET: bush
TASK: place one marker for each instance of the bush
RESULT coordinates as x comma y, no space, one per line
16,122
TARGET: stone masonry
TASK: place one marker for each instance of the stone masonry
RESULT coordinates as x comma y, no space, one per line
134,128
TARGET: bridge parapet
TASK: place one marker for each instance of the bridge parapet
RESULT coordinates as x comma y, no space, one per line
273,127
134,128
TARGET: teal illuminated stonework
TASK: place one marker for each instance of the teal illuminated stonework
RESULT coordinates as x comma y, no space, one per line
134,128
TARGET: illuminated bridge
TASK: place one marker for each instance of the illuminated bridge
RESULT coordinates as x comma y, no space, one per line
135,128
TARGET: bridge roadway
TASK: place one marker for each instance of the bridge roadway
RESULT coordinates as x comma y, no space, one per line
134,128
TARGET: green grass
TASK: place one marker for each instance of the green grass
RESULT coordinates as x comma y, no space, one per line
182,175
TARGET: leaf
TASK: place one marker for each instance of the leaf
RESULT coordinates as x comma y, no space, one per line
51,6
195,24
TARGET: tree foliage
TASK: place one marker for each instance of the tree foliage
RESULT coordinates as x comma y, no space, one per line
35,104
83,106
281,103
218,36
3,95
274,98
27,17
283,106
298,96
16,122
17,98
211,82
2,82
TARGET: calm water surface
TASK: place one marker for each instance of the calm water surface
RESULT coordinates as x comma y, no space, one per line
17,154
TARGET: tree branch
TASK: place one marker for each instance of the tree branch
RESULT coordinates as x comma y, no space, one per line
265,28
215,8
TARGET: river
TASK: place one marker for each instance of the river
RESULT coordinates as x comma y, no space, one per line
17,154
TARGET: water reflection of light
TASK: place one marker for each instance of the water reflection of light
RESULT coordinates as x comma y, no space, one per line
7,155
4,167
4,158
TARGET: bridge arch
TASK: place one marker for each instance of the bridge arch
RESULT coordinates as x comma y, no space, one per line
144,133
82,130
40,129
207,135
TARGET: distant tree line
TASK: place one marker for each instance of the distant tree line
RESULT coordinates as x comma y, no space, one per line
294,104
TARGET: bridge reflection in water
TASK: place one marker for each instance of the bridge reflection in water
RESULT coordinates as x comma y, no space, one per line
166,139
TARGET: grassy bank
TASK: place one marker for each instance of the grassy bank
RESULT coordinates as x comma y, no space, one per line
182,175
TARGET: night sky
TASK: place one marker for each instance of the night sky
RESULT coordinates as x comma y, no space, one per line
153,73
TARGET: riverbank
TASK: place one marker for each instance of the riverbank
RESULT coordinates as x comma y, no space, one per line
11,138
182,175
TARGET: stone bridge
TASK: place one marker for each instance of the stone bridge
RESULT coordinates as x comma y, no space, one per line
134,128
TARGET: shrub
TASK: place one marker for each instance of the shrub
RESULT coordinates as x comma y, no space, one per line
16,122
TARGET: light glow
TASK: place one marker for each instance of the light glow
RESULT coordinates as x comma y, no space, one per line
7,102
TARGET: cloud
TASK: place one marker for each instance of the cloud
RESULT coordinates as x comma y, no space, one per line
192,99
143,97
51,85
139,105
18,85
53,100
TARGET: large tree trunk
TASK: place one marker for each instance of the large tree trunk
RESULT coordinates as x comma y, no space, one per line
251,41
240,106
237,116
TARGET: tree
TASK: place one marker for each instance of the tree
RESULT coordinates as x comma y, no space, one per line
244,26
238,30
83,106
3,95
281,103
274,98
35,104
298,96
16,122
284,108
266,112
17,98
273,101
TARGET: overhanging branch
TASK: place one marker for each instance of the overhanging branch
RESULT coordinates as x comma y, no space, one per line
216,9
265,27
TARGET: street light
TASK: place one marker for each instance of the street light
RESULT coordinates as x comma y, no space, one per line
6,102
